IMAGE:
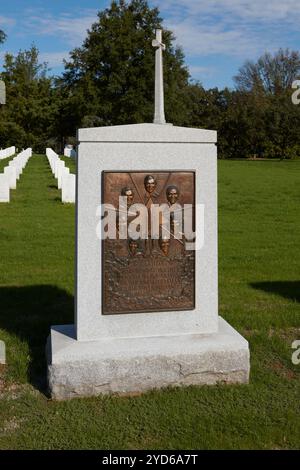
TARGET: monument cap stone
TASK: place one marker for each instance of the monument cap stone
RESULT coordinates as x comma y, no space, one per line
151,133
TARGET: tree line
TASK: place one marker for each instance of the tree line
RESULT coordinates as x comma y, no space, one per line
109,80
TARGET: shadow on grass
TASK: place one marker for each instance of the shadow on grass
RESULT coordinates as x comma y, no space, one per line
287,289
29,312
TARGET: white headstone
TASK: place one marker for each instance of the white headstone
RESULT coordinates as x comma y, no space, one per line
68,188
58,165
60,171
11,173
17,165
8,152
69,151
4,188
2,353
52,158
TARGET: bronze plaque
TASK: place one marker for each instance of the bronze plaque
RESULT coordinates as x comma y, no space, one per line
147,275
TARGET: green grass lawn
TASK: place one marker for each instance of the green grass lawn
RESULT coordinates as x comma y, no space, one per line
259,275
4,162
70,163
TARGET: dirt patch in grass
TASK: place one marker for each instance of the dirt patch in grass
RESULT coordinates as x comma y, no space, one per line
11,425
278,367
288,334
247,332
2,375
10,390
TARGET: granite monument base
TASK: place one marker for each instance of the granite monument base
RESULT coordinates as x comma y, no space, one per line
127,365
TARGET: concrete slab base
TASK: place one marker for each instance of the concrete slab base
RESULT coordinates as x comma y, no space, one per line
124,365
2,352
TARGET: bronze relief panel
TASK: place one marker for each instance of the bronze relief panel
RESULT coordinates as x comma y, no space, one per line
148,274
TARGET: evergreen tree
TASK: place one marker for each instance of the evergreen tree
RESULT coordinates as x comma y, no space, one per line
2,36
28,116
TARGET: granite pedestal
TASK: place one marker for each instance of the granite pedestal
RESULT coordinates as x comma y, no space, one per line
125,365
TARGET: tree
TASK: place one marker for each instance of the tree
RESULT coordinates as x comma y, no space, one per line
29,115
265,89
110,79
282,123
242,125
271,74
205,107
2,36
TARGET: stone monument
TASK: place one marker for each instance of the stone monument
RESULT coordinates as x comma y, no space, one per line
146,298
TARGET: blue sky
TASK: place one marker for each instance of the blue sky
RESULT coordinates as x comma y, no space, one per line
217,36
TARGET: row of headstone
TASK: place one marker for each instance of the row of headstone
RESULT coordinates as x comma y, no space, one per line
12,173
69,151
6,153
66,181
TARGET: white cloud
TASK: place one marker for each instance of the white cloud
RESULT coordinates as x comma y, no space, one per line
6,21
54,59
240,28
209,40
198,72
72,29
227,30
266,11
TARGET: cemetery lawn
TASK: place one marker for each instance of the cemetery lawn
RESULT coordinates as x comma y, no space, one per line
259,276
4,162
70,163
